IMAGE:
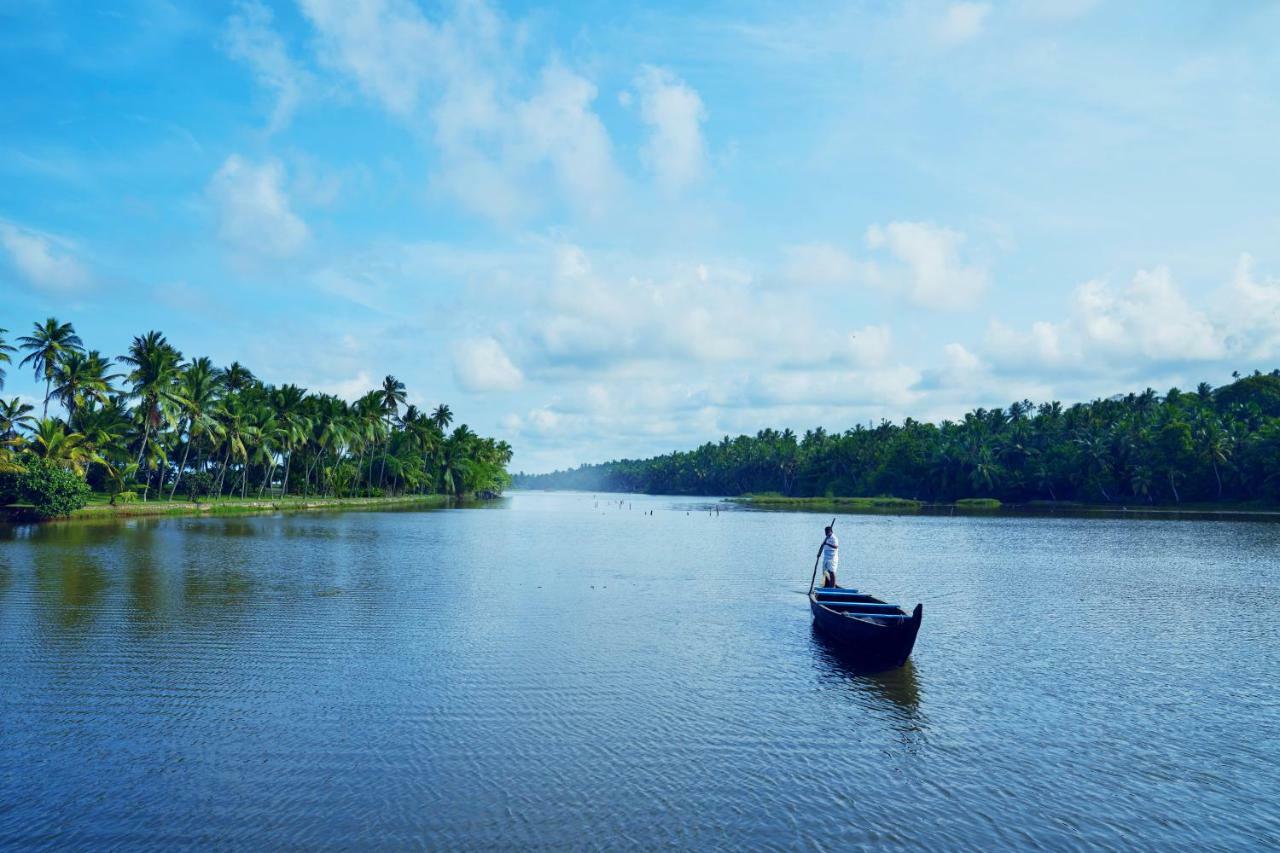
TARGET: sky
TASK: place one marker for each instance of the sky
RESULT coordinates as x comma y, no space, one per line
614,229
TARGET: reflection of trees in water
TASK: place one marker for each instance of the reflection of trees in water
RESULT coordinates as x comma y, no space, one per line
214,593
896,691
70,588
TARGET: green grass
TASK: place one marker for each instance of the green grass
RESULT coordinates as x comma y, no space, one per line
848,504
100,507
978,503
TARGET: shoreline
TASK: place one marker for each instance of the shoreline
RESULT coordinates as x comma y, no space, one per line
980,507
233,506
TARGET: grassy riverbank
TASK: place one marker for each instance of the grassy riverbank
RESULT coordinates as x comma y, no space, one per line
880,504
989,506
100,508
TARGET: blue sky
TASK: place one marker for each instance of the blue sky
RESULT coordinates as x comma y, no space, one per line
608,229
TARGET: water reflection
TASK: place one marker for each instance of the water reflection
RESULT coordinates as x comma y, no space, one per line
70,589
895,690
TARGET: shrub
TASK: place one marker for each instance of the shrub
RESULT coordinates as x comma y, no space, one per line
198,484
52,491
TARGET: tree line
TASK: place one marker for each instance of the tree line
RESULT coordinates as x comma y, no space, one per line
1208,445
152,423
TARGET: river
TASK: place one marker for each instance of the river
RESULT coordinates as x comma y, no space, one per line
559,670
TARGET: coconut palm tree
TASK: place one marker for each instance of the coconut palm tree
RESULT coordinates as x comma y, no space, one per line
5,349
392,395
236,378
198,386
53,443
15,415
45,346
82,378
153,381
442,417
234,421
106,429
290,407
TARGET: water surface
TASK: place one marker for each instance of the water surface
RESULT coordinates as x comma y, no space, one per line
560,671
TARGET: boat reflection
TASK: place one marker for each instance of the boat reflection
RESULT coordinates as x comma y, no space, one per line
895,689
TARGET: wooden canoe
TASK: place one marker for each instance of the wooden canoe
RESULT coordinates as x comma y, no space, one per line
875,633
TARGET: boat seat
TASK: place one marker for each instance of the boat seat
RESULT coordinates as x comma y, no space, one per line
866,605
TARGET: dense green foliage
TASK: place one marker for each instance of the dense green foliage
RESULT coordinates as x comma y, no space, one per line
163,425
50,490
1206,446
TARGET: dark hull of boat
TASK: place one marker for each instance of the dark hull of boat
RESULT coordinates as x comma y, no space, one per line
880,639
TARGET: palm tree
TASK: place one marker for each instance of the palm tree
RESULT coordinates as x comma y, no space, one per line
5,349
82,378
289,402
52,442
15,415
392,395
198,387
1212,446
236,378
153,381
106,429
233,419
45,346
454,460
442,417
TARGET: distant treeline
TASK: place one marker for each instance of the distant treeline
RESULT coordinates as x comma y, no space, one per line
153,422
1208,445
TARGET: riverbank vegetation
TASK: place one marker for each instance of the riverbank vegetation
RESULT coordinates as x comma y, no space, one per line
154,424
1213,446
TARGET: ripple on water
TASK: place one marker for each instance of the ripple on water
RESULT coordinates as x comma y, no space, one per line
546,674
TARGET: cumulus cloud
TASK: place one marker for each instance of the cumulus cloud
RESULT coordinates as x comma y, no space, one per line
960,22
387,46
46,261
674,113
822,264
481,364
1250,311
934,274
557,124
455,80
255,217
1148,322
250,38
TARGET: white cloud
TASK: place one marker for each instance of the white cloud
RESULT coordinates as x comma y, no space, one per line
558,125
674,112
250,38
935,275
961,22
255,218
821,264
1149,323
350,389
46,261
481,364
1250,310
458,81
1150,318
386,45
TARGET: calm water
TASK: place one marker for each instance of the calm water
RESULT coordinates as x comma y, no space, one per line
546,673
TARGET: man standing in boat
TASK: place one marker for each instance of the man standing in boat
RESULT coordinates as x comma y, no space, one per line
829,552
